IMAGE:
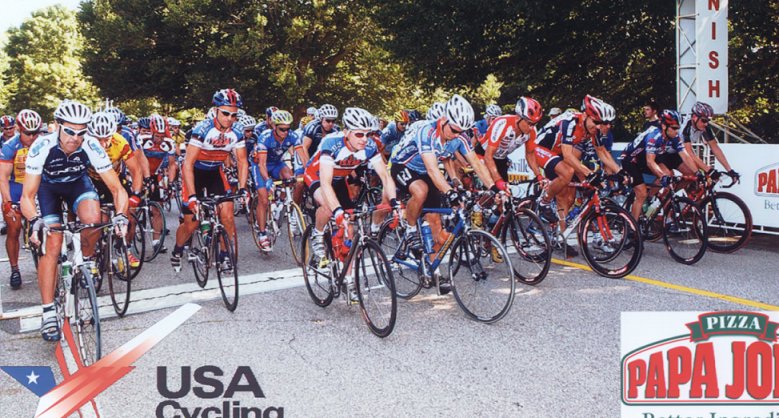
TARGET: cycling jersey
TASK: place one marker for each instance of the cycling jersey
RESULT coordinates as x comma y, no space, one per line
423,137
344,160
157,152
652,142
214,144
691,135
567,129
260,128
118,151
129,136
461,144
316,132
47,159
178,138
482,126
14,152
268,144
391,136
502,134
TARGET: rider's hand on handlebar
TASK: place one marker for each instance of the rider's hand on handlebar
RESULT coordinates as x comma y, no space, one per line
665,181
453,198
192,203
36,226
120,222
734,175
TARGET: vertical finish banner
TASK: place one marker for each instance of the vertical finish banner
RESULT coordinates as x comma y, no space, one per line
711,43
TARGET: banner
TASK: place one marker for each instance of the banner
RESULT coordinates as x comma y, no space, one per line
711,43
759,187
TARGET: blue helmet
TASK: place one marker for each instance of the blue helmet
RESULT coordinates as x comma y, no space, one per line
227,97
269,111
144,123
670,118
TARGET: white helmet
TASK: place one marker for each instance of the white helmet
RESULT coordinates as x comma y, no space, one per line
29,120
459,112
248,122
357,118
328,111
102,125
73,112
174,122
493,110
311,111
436,111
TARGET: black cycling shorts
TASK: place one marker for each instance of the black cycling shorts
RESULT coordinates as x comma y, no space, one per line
636,172
341,190
404,176
213,181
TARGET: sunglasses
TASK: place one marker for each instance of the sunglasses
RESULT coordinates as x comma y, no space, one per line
283,129
9,128
328,120
603,123
704,120
31,133
359,135
403,124
71,132
454,131
228,114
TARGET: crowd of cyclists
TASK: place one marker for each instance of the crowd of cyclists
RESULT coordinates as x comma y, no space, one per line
89,159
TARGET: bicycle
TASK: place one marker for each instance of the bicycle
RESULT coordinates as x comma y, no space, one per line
111,258
146,215
373,281
728,219
676,219
482,275
281,207
210,240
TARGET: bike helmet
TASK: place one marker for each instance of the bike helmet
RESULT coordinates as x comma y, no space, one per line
414,115
436,111
29,120
227,97
158,124
598,109
670,118
356,118
327,111
529,110
6,121
144,123
493,110
401,116
311,111
702,110
102,125
281,117
248,122
211,113
173,122
73,112
269,111
459,112
119,116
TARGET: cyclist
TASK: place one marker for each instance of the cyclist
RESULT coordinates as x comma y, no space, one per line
696,130
211,142
317,129
13,157
643,155
144,126
339,155
493,111
248,124
393,133
268,165
175,133
264,124
55,171
436,111
160,151
9,130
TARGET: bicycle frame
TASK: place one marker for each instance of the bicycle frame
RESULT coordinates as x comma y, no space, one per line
430,264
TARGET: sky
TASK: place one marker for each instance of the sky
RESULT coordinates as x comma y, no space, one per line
19,10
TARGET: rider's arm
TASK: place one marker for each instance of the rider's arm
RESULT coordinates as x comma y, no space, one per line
262,164
144,163
243,166
450,170
570,157
697,162
480,169
489,161
326,165
136,172
29,191
171,167
530,157
111,180
307,141
431,165
386,179
718,154
651,162
188,168
6,168
607,160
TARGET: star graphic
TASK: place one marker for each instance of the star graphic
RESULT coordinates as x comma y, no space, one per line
32,378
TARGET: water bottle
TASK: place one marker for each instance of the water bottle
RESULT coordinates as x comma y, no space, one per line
476,216
67,280
427,237
205,226
573,213
653,207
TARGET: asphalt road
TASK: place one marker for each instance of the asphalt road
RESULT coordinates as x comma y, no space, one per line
555,354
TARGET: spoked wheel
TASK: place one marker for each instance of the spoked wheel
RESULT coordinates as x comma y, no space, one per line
610,241
482,276
684,231
119,275
407,283
296,227
318,277
254,226
375,289
651,229
86,320
199,257
137,246
529,246
728,222
226,269
148,220
272,226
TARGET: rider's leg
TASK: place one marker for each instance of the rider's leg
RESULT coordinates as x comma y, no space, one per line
14,223
88,211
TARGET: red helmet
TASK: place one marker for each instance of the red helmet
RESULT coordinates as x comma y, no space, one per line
529,110
29,120
598,109
159,125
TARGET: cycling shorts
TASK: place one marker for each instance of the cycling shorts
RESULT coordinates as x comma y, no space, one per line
341,189
52,195
274,171
213,181
16,192
404,177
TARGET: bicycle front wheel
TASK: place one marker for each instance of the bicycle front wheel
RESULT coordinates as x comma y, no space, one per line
317,276
86,320
138,246
375,289
611,242
296,225
529,246
154,226
684,231
200,257
226,269
728,222
482,277
119,275
407,283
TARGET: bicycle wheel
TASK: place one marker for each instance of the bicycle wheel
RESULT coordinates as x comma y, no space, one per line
200,257
319,282
119,275
651,229
138,246
254,227
407,283
528,245
272,225
86,320
610,241
296,225
728,222
226,268
101,261
482,277
684,231
375,288
160,230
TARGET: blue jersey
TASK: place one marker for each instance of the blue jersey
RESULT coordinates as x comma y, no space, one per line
482,126
391,136
261,127
461,144
316,132
129,135
269,145
48,160
15,153
424,137
652,142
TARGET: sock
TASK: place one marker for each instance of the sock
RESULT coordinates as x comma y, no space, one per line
411,228
178,250
374,228
48,310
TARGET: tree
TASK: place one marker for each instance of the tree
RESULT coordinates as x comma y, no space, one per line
44,64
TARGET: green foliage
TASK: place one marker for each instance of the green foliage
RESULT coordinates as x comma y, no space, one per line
44,64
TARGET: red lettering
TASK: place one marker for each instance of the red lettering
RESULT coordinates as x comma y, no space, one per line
762,181
776,371
735,390
759,379
636,377
772,187
713,31
704,372
679,362
714,5
655,381
713,87
714,64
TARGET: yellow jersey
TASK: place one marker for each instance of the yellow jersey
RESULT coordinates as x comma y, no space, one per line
118,150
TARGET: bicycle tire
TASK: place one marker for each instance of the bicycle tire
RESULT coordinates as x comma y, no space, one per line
530,250
651,229
138,247
254,226
604,251
201,258
229,277
149,229
119,275
86,322
482,276
295,234
319,285
717,210
375,289
407,283
692,221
